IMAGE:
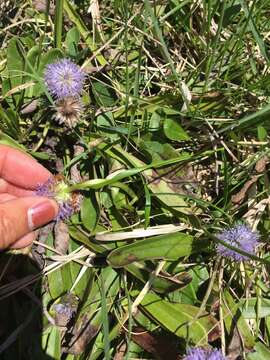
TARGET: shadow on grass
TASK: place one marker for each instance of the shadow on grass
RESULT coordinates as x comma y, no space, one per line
21,314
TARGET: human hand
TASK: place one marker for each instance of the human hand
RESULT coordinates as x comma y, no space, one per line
20,210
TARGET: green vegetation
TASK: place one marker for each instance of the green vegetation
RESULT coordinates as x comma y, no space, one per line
171,148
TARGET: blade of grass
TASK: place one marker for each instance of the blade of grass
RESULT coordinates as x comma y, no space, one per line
249,120
105,321
76,19
164,49
99,183
253,28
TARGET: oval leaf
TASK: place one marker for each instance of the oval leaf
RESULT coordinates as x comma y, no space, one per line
160,284
174,131
167,247
181,320
90,212
251,311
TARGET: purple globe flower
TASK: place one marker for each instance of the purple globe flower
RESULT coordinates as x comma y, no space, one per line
195,354
65,211
198,353
240,236
64,78
58,190
46,189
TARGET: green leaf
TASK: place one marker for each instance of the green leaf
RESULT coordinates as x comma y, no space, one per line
15,63
7,140
262,133
255,31
110,282
122,174
85,33
167,247
85,280
181,320
170,198
154,122
72,41
53,348
161,189
104,94
59,281
233,317
188,295
160,284
250,311
32,57
261,352
90,212
174,131
105,122
50,57
31,63
230,13
80,236
9,122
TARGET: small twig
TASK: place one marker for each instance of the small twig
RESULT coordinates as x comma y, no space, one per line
216,135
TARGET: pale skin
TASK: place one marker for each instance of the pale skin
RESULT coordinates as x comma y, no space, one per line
21,212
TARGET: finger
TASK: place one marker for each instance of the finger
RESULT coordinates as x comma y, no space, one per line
20,216
8,188
20,169
25,240
6,197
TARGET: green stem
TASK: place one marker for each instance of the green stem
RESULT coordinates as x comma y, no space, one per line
99,183
58,23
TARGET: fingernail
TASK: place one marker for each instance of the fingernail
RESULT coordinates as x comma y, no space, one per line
40,214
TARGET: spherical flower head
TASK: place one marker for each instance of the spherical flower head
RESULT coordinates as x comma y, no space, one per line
68,111
64,78
63,310
198,353
46,189
57,189
241,237
195,354
215,354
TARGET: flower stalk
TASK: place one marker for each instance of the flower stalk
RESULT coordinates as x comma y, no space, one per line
58,23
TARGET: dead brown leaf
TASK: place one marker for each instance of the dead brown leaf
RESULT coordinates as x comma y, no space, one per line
41,6
261,164
260,167
240,196
235,346
81,335
29,107
160,346
61,239
120,351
